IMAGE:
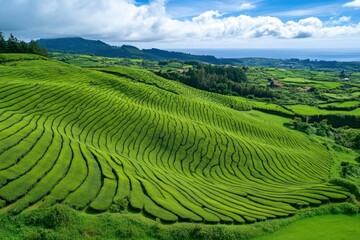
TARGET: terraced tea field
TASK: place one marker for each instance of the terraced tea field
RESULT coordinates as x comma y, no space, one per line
86,138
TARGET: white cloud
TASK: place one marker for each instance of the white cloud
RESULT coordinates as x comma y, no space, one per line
339,21
122,20
246,6
354,3
344,19
322,10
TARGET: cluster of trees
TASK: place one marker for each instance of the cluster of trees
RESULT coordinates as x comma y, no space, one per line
219,79
13,45
343,136
351,171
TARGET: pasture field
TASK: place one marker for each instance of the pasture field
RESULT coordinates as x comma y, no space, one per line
307,110
294,75
343,96
271,107
311,83
7,57
346,104
339,227
89,138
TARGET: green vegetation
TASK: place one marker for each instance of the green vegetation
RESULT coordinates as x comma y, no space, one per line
11,57
310,110
319,84
90,61
78,45
320,227
307,93
348,105
61,222
343,95
114,151
98,48
219,79
13,45
343,136
100,140
300,86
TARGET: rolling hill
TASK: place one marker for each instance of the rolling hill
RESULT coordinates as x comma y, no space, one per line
91,138
99,48
79,45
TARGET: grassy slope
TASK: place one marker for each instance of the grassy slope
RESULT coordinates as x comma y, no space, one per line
339,227
87,138
307,110
296,77
342,104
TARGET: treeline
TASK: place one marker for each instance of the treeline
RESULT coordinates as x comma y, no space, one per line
220,79
13,45
343,136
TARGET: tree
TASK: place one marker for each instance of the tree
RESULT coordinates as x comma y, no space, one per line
13,44
23,47
35,48
2,43
357,144
342,74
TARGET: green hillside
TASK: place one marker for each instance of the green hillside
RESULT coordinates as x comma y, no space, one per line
92,138
96,47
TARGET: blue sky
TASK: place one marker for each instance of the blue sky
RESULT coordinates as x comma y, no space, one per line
284,9
189,23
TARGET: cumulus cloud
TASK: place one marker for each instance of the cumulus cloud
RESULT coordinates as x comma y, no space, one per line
344,19
354,3
339,21
246,6
123,20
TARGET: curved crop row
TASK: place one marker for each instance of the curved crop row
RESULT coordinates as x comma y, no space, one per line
89,139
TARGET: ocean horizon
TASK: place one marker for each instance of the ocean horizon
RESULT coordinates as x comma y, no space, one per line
343,55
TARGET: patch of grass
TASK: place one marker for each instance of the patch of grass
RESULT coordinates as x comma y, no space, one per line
307,110
311,83
12,57
320,227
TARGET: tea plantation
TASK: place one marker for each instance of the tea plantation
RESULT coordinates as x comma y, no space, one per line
94,139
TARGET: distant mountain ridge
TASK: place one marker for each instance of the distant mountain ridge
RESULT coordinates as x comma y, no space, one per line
78,45
97,47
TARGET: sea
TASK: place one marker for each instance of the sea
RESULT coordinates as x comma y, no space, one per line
342,55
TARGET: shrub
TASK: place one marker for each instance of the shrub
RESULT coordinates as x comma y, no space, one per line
2,203
50,217
345,208
119,205
350,171
200,232
125,233
43,234
353,188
